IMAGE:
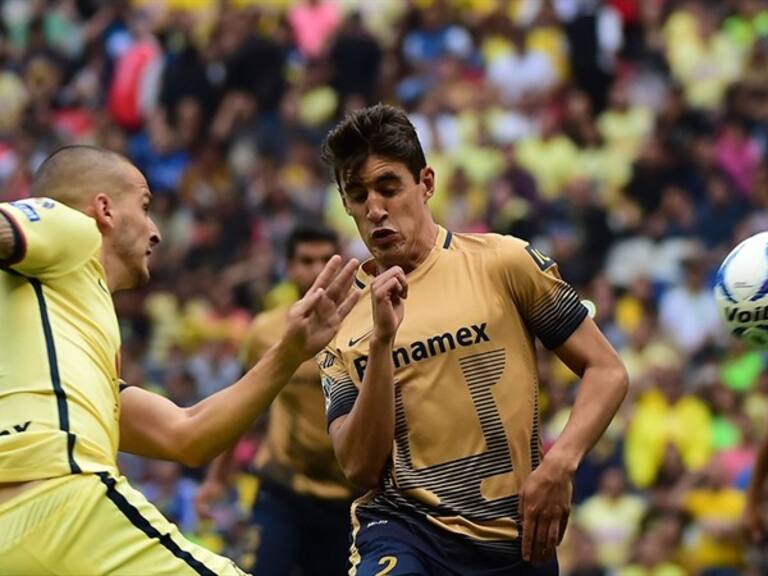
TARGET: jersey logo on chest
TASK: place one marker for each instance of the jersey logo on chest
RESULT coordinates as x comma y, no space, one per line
432,346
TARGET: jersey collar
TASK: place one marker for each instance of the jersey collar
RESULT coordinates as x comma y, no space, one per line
366,270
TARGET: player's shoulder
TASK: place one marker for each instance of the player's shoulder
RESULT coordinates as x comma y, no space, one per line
264,330
267,322
488,242
37,208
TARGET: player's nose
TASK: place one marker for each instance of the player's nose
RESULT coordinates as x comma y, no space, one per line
375,211
154,234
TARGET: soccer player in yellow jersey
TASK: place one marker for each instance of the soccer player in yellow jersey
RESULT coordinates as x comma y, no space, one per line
301,512
64,508
431,382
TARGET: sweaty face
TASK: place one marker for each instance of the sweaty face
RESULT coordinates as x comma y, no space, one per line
308,260
390,210
135,233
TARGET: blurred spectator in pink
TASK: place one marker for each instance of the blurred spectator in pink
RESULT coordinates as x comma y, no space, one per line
313,22
738,155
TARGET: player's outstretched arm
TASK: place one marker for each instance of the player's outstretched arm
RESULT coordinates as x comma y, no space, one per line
754,521
151,425
545,498
362,439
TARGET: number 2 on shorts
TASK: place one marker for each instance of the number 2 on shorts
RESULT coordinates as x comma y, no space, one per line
390,562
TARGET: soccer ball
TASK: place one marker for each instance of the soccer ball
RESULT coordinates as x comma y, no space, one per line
741,291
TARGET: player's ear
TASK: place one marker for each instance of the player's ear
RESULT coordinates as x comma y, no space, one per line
344,202
102,211
428,182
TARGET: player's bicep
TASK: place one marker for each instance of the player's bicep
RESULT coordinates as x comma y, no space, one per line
11,241
150,424
335,431
49,238
585,347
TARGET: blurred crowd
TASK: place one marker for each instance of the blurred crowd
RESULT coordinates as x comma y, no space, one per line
626,139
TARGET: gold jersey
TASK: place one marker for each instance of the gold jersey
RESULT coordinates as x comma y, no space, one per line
59,347
297,451
466,385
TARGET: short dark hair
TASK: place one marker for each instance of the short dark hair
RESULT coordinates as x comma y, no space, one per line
303,234
379,130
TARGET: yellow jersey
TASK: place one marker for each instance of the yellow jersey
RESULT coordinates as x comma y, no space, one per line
59,347
466,386
297,452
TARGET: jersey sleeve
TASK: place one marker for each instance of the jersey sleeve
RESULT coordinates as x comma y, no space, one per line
51,238
339,390
551,308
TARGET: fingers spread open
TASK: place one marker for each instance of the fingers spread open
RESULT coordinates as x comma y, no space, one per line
306,305
341,284
325,311
328,273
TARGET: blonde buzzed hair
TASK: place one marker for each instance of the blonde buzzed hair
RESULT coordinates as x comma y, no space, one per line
73,175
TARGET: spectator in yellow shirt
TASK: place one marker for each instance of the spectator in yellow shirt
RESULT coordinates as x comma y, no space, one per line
667,414
612,517
715,508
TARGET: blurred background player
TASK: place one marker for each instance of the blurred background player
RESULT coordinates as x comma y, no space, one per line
64,506
301,512
433,403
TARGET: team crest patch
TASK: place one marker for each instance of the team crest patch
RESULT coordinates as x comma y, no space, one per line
542,261
28,211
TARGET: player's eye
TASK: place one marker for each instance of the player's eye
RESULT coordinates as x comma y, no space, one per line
356,195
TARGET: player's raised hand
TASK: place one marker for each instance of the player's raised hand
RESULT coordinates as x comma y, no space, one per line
313,320
545,503
388,290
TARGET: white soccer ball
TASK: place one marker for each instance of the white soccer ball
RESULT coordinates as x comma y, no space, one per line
741,291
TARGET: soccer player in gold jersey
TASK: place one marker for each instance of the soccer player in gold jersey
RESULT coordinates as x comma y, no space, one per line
301,512
431,382
64,508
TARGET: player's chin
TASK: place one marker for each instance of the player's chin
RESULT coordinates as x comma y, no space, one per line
142,275
386,253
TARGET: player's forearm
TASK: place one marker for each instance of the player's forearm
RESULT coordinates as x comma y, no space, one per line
214,424
364,442
602,389
759,474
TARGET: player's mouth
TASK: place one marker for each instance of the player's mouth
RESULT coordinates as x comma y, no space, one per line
383,236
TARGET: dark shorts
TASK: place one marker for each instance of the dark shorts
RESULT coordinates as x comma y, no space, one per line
299,532
389,547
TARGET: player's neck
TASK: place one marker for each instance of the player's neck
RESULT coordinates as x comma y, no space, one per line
114,271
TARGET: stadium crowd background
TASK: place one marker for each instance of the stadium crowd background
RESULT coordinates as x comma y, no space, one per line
626,139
